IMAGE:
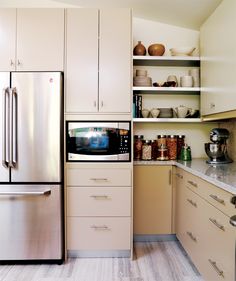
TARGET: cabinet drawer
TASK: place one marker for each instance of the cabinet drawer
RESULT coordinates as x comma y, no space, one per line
102,201
214,195
218,262
98,233
98,177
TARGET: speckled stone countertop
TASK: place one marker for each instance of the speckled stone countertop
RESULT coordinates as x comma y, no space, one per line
223,176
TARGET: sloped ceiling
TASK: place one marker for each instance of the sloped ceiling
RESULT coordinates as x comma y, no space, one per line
185,13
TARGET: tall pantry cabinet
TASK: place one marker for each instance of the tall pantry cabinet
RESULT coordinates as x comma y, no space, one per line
98,61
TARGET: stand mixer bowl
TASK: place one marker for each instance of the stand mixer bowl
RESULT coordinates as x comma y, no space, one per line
217,152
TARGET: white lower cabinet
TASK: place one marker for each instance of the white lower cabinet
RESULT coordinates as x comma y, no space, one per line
99,211
203,229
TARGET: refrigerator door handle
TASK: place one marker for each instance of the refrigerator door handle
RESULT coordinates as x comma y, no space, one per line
13,127
11,193
5,128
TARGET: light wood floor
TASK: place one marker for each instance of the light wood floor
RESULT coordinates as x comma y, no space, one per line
153,261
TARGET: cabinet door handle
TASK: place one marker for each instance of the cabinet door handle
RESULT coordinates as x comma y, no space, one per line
100,197
100,227
191,236
193,183
18,62
95,104
170,177
216,198
221,227
192,203
98,179
12,63
212,105
102,104
179,176
213,264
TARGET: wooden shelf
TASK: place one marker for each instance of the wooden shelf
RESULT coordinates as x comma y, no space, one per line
167,90
166,61
167,120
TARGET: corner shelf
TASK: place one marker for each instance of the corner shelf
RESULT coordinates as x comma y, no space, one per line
166,61
167,90
167,120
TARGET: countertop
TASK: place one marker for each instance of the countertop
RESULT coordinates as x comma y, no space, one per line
223,176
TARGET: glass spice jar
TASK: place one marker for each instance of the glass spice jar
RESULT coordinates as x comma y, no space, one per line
171,142
161,139
180,144
138,142
154,149
147,150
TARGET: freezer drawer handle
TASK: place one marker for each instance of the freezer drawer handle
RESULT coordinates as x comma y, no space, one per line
100,227
100,197
45,192
99,179
13,127
5,127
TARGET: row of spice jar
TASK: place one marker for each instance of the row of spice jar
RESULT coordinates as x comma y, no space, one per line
165,147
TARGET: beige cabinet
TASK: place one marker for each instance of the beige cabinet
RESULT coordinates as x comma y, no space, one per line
98,61
203,228
218,60
98,211
152,199
33,39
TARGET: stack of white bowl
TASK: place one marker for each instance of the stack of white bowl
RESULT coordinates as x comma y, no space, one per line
141,78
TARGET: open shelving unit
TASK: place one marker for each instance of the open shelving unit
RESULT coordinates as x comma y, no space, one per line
167,120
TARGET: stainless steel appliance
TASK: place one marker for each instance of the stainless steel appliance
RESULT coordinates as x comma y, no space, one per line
217,149
98,141
31,175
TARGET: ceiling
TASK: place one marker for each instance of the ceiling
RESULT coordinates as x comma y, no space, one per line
185,13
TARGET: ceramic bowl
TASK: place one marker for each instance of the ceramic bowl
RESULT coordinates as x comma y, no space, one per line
145,113
155,112
182,51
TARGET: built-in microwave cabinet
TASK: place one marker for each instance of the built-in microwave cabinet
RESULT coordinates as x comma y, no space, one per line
98,61
32,39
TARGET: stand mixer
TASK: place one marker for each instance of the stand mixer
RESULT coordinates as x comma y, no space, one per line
217,149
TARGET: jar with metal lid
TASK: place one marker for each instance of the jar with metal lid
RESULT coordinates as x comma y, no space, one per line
162,153
147,150
161,139
171,142
180,144
138,142
154,149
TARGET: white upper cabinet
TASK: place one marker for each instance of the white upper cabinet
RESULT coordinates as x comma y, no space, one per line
7,39
82,60
98,61
218,60
32,39
115,60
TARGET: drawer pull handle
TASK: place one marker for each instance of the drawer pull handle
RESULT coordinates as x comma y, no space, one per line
99,179
179,176
216,198
217,224
213,264
100,227
193,183
192,203
100,197
191,236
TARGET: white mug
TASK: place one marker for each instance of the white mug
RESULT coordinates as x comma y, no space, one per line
186,81
195,72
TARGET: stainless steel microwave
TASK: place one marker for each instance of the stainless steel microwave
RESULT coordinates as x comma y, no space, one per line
98,141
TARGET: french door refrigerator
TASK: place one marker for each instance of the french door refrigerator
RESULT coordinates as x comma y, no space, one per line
31,170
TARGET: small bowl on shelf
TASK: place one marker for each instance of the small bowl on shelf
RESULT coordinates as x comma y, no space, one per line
182,51
145,113
155,112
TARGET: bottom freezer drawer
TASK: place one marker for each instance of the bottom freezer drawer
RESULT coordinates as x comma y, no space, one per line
31,222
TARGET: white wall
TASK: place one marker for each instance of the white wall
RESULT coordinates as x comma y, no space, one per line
33,4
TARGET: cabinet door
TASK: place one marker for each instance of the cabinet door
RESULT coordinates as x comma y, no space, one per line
7,39
115,61
81,60
40,39
218,62
152,200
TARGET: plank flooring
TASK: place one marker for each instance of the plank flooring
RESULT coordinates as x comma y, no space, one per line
153,261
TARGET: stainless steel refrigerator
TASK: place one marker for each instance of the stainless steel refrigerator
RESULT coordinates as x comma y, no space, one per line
31,170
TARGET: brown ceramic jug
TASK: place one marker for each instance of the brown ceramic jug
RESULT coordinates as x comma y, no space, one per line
156,50
139,49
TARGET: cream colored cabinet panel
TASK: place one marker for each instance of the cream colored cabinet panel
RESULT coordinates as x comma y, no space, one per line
40,39
81,60
152,199
214,195
99,177
7,39
98,233
103,201
218,60
115,61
